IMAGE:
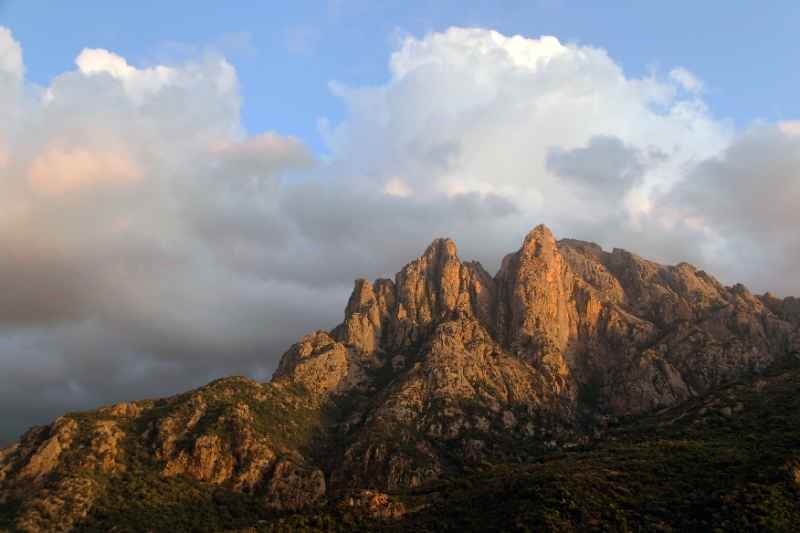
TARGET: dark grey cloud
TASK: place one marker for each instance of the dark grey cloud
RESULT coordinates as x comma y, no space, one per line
752,188
748,197
183,321
605,169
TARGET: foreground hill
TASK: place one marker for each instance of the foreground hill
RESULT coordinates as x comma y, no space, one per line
442,369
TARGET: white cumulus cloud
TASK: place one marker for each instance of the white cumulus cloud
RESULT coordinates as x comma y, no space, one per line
471,110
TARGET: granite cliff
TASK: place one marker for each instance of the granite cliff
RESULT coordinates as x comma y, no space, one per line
442,367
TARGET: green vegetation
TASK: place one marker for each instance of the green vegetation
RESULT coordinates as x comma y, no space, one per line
8,512
142,501
709,470
725,461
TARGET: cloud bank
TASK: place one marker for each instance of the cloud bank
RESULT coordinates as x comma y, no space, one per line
148,243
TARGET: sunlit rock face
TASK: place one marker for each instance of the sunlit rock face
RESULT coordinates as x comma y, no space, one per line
564,331
574,316
443,366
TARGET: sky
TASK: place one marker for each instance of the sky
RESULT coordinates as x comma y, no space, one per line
187,188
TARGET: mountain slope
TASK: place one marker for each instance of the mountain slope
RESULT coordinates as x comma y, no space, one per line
443,367
726,460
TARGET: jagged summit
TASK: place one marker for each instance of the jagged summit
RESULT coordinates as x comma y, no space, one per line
575,314
443,366
539,232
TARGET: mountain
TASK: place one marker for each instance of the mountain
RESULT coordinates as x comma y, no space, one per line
442,369
726,460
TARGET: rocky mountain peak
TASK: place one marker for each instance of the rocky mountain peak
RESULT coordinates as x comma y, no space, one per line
361,299
427,288
538,237
573,312
439,249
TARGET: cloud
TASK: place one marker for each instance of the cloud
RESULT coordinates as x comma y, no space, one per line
148,243
11,57
564,136
136,83
127,197
689,82
397,187
58,171
473,110
605,169
748,199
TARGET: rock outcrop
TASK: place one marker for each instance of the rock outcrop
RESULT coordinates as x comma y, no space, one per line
41,458
442,367
696,333
380,505
291,488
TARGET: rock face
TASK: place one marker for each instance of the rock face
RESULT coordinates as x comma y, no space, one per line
525,360
442,367
292,488
380,505
695,333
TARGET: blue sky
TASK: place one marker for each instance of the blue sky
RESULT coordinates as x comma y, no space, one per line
745,52
188,188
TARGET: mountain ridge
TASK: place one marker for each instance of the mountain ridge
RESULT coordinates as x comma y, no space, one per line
442,367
